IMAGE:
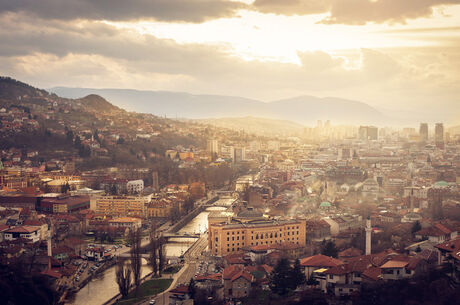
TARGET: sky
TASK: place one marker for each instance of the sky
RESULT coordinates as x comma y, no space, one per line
402,57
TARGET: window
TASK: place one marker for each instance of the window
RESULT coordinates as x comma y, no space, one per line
228,238
331,276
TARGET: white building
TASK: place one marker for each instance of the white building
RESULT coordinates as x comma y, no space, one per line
135,186
29,232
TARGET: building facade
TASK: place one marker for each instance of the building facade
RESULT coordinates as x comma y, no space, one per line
228,238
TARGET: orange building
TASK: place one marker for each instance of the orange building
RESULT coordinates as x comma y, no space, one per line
228,238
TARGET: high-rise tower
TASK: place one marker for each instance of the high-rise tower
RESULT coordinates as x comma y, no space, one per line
423,132
439,135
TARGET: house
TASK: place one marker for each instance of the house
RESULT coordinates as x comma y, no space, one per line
349,253
318,230
318,261
211,281
28,232
178,295
95,254
449,251
343,223
402,267
131,223
237,282
437,233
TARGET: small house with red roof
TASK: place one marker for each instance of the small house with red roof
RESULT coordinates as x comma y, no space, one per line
318,261
237,282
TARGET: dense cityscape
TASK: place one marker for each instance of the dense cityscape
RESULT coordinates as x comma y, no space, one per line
229,152
154,210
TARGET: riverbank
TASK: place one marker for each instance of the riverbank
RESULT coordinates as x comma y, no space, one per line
187,218
73,290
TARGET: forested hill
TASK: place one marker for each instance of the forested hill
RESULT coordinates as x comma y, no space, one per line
90,130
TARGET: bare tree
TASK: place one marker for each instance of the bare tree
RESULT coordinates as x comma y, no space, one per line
135,236
161,255
153,259
123,277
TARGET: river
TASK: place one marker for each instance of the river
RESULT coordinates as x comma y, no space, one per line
103,286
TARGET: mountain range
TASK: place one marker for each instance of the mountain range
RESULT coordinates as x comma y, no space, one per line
303,109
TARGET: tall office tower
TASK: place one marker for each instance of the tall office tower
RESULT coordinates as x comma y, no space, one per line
362,133
372,133
423,131
213,146
439,135
239,154
319,124
368,133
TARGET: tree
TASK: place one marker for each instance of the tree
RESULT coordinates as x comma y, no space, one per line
297,277
123,278
311,281
161,255
66,188
192,288
416,227
329,249
135,236
279,279
153,259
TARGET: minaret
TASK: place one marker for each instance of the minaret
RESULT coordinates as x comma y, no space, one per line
368,235
49,248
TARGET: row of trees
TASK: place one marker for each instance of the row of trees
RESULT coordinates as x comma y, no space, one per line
128,275
157,258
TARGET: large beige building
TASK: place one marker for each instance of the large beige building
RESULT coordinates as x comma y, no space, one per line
228,238
122,206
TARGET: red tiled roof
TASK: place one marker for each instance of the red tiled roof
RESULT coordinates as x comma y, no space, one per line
450,246
394,264
22,229
243,274
52,273
350,252
372,273
320,260
230,271
182,289
268,269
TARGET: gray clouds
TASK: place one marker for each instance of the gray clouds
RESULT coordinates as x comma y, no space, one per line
354,12
123,10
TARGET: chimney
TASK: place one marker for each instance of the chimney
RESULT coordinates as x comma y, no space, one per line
368,236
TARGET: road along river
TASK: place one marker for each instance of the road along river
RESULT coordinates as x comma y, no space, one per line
103,286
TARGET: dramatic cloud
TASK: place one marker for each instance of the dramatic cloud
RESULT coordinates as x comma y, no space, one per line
122,10
95,54
354,12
